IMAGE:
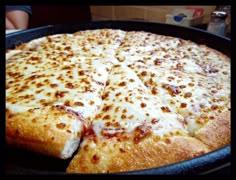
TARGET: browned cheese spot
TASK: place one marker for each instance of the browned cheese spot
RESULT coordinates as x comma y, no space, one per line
191,84
214,107
86,148
131,80
38,91
48,94
211,117
79,104
106,117
68,131
179,66
91,102
165,109
157,62
69,85
107,108
123,116
33,77
67,103
122,83
46,81
105,95
61,126
173,90
187,95
60,94
66,68
49,39
182,86
144,73
131,117
141,132
170,78
154,121
118,94
122,150
202,106
53,85
81,73
95,159
154,91
67,48
143,105
213,91
167,141
183,105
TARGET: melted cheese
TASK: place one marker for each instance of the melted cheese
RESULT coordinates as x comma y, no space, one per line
68,86
85,43
129,105
189,95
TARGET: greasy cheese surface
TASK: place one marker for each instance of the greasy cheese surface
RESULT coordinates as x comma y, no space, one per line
195,97
127,105
85,43
125,86
77,85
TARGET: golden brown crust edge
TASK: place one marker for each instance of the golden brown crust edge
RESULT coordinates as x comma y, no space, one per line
41,130
217,133
107,156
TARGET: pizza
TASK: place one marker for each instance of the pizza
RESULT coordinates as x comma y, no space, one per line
117,101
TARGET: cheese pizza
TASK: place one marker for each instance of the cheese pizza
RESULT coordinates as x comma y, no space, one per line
117,101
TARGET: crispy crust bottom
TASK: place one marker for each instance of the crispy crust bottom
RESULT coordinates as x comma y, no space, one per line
110,155
216,133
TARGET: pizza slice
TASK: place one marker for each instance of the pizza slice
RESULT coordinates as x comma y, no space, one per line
133,130
51,130
140,44
198,58
173,53
199,99
100,42
47,110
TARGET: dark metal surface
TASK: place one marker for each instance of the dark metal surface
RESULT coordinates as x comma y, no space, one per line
23,162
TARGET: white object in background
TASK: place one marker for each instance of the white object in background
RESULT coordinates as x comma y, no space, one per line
217,24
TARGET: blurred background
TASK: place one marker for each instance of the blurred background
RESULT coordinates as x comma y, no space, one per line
43,15
148,13
196,16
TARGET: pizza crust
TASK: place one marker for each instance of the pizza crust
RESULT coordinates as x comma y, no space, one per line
216,133
112,155
51,130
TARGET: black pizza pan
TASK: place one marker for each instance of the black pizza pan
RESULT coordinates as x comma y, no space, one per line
19,161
